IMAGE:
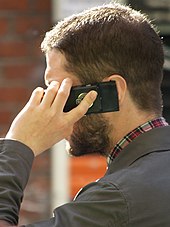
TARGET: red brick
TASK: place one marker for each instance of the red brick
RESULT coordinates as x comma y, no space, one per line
13,5
29,24
14,95
28,20
37,50
44,5
3,26
4,129
14,72
42,160
13,49
5,117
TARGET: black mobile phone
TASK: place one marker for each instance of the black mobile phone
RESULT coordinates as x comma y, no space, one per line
106,101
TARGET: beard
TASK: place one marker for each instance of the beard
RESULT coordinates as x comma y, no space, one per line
90,136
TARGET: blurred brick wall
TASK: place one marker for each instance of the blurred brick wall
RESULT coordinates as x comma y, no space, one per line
22,27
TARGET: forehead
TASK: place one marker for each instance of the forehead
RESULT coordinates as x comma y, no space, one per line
55,69
55,59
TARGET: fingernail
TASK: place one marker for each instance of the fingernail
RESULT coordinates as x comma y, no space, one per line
93,94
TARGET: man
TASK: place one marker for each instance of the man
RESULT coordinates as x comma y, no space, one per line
111,42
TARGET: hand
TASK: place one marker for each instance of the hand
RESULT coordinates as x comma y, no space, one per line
42,122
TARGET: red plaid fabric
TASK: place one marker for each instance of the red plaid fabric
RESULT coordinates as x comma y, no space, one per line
158,122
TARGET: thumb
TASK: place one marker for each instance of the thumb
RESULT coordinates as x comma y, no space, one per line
83,107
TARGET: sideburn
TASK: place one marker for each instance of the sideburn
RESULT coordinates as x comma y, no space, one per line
90,136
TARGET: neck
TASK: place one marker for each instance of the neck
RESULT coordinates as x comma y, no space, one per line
123,122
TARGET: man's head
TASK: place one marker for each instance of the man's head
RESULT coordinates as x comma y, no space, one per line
112,40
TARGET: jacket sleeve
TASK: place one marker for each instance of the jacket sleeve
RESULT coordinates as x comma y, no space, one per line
98,204
15,165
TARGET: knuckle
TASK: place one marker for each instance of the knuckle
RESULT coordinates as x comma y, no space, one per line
53,113
62,94
89,100
80,112
85,104
30,107
52,90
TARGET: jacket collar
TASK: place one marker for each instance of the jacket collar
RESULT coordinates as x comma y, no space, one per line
157,139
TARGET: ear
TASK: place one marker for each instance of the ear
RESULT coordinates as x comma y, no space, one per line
120,84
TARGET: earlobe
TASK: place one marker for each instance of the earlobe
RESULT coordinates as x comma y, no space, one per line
121,86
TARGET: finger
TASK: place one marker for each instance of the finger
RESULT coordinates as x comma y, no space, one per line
36,96
82,108
50,94
63,93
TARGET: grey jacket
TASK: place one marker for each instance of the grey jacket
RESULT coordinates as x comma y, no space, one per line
135,191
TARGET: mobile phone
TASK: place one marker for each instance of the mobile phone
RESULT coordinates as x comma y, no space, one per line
106,101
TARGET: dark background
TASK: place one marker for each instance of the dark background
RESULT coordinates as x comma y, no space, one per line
159,13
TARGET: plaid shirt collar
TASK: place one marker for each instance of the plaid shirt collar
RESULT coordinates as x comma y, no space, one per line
158,122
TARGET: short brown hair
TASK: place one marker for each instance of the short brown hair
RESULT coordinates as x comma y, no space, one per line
113,39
